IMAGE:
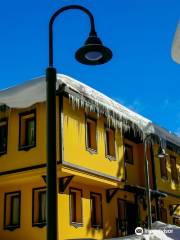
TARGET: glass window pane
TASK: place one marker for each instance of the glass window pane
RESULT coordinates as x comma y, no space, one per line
174,174
93,210
30,131
3,137
163,214
88,134
15,210
39,206
121,209
91,134
96,210
163,168
73,206
128,154
42,206
110,142
27,135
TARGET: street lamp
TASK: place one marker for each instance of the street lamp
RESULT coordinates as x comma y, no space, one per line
161,154
92,53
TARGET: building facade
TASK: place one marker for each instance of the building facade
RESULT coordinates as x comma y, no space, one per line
100,165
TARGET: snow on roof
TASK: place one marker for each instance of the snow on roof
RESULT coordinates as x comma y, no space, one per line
34,91
159,231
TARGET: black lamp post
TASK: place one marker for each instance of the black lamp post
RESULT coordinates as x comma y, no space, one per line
92,53
161,154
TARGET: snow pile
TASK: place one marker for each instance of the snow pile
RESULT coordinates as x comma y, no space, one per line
34,91
160,231
24,95
156,235
171,231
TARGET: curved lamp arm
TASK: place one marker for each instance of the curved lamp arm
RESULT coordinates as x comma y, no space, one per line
56,14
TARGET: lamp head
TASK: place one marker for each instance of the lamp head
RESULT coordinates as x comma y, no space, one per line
161,153
93,52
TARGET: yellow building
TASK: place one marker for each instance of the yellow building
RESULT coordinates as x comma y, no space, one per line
100,164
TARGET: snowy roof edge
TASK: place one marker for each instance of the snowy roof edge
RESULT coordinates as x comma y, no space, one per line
34,91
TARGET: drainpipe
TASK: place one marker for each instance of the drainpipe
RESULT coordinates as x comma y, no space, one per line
155,183
146,171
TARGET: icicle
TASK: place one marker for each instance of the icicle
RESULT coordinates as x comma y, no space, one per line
116,118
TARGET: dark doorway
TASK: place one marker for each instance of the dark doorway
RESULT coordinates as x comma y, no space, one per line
131,217
126,221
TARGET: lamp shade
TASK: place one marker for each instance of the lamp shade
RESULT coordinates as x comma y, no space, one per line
93,52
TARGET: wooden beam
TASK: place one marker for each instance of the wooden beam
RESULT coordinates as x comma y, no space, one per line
64,182
110,194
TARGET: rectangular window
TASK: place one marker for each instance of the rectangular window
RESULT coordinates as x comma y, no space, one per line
176,221
110,142
76,206
163,168
128,154
12,210
39,207
163,214
174,174
96,210
121,209
153,213
3,136
27,130
91,136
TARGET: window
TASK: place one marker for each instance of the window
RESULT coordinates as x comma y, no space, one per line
27,130
128,154
121,209
3,136
122,221
176,221
76,206
174,173
96,210
39,207
12,210
110,142
163,214
91,137
163,168
153,213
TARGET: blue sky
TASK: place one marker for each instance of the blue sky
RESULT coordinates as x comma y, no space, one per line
141,75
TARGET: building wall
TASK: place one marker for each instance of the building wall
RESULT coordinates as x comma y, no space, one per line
15,158
26,184
26,231
137,166
87,231
75,151
67,230
168,185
